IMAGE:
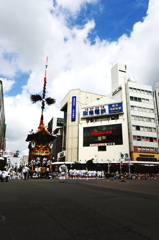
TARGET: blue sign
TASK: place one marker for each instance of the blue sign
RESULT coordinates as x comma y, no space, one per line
103,110
73,110
61,154
96,111
115,108
85,113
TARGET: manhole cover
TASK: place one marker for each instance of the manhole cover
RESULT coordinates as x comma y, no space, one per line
2,218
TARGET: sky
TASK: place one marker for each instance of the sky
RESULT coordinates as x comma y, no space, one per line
83,39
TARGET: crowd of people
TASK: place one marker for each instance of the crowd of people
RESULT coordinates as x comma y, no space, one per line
64,173
11,173
85,174
137,176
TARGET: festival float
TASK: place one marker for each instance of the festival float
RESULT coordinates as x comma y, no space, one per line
41,141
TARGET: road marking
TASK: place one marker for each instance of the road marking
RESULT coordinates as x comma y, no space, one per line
2,218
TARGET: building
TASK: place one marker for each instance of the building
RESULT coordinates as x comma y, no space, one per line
14,162
71,106
120,127
156,103
25,160
55,123
142,124
131,105
2,121
55,127
104,131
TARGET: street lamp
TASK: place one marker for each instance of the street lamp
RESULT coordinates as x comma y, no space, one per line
1,152
129,165
96,158
108,166
120,167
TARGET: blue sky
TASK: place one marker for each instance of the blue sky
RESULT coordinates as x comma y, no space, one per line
83,40
113,18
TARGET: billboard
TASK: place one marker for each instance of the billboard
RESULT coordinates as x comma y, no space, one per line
115,108
102,110
105,134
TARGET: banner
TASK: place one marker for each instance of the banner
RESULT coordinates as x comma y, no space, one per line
73,110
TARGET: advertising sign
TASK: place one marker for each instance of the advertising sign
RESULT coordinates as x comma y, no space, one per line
105,134
98,144
73,110
102,110
95,111
115,108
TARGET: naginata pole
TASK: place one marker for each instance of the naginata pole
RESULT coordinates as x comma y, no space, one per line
41,125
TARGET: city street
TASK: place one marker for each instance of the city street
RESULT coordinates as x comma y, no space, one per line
42,209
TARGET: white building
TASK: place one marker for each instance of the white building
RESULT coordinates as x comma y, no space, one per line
156,102
15,162
142,125
104,131
71,106
2,121
115,128
25,160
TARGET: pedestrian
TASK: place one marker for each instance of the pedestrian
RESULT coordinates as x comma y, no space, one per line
4,175
63,172
25,172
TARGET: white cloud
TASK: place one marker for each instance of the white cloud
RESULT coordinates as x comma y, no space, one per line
72,5
38,29
7,84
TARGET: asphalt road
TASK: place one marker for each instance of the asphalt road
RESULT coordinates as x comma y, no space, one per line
42,209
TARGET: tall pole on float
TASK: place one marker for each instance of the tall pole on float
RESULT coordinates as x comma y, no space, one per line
41,125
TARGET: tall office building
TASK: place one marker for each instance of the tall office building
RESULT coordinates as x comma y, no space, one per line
142,127
156,103
118,127
122,124
2,120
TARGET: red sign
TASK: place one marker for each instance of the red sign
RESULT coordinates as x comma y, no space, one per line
135,148
102,132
